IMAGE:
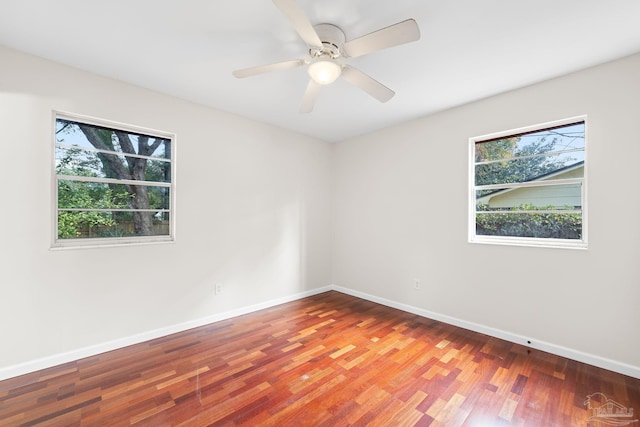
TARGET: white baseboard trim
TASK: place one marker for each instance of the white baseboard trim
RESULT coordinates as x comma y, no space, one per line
601,362
58,359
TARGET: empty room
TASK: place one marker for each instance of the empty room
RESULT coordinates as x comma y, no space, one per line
320,213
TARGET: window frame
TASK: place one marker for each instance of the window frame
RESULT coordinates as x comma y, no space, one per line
529,241
73,243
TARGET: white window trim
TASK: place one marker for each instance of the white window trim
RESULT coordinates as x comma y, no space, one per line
58,244
526,241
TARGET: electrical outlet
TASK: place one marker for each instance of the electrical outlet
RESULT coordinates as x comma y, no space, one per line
416,284
218,288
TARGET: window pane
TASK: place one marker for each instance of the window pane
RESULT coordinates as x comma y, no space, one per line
564,138
559,166
92,224
98,195
97,137
549,197
79,162
541,225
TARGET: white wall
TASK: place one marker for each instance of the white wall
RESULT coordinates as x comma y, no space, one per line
400,212
258,208
252,214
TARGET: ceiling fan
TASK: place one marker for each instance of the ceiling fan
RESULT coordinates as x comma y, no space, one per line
328,51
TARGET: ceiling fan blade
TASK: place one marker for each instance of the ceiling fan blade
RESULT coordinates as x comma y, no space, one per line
310,96
248,72
394,35
300,22
373,87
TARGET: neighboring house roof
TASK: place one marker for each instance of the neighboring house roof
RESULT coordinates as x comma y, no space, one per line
537,178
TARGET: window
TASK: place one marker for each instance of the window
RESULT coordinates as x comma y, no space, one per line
528,186
113,183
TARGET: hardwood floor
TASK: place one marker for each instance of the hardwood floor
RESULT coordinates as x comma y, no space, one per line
327,360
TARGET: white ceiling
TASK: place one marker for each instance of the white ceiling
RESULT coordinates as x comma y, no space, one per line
469,49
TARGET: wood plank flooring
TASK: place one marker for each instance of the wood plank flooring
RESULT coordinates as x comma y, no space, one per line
326,360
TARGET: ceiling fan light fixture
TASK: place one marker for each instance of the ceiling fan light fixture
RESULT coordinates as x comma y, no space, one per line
324,72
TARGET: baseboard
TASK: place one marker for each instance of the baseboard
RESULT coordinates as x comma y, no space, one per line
58,359
601,362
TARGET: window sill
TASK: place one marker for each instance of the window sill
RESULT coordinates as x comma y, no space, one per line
107,243
530,242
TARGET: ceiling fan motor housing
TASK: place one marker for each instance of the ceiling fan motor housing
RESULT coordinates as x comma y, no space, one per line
332,38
